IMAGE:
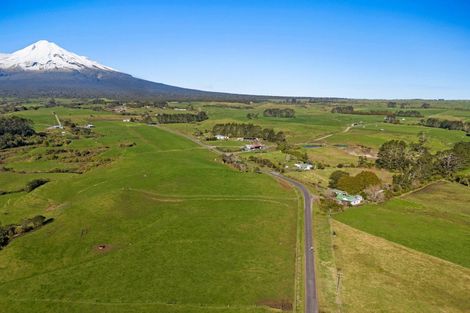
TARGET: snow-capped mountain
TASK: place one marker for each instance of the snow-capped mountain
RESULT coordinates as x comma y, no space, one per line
47,56
44,69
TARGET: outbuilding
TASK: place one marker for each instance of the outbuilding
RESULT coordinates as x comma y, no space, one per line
304,166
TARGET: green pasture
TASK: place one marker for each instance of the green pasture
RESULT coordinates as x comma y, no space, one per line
375,134
433,220
181,231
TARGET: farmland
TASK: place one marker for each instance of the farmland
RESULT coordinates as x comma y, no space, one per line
377,275
162,225
166,226
421,220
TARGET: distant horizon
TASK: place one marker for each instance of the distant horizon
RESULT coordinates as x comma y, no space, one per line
330,49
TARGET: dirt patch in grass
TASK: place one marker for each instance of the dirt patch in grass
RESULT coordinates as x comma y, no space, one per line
361,151
103,248
54,207
284,305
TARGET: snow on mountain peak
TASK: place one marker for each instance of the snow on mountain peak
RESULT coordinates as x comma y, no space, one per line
47,56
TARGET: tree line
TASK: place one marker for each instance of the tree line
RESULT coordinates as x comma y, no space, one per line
284,113
181,118
393,104
248,130
409,113
446,124
349,109
393,118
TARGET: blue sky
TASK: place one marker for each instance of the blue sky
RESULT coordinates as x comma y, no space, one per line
356,48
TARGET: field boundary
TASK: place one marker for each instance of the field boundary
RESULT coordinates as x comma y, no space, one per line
397,245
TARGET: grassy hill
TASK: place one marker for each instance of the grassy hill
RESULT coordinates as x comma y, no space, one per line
147,221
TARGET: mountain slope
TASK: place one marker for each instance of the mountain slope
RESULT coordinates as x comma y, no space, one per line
45,69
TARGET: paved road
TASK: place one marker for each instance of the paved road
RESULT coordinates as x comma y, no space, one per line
311,302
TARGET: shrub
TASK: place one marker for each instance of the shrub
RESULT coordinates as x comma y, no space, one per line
35,184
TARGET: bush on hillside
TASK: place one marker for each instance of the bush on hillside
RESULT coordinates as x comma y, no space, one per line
35,184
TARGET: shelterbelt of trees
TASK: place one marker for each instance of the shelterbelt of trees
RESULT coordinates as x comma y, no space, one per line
446,124
248,130
181,118
409,113
284,113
